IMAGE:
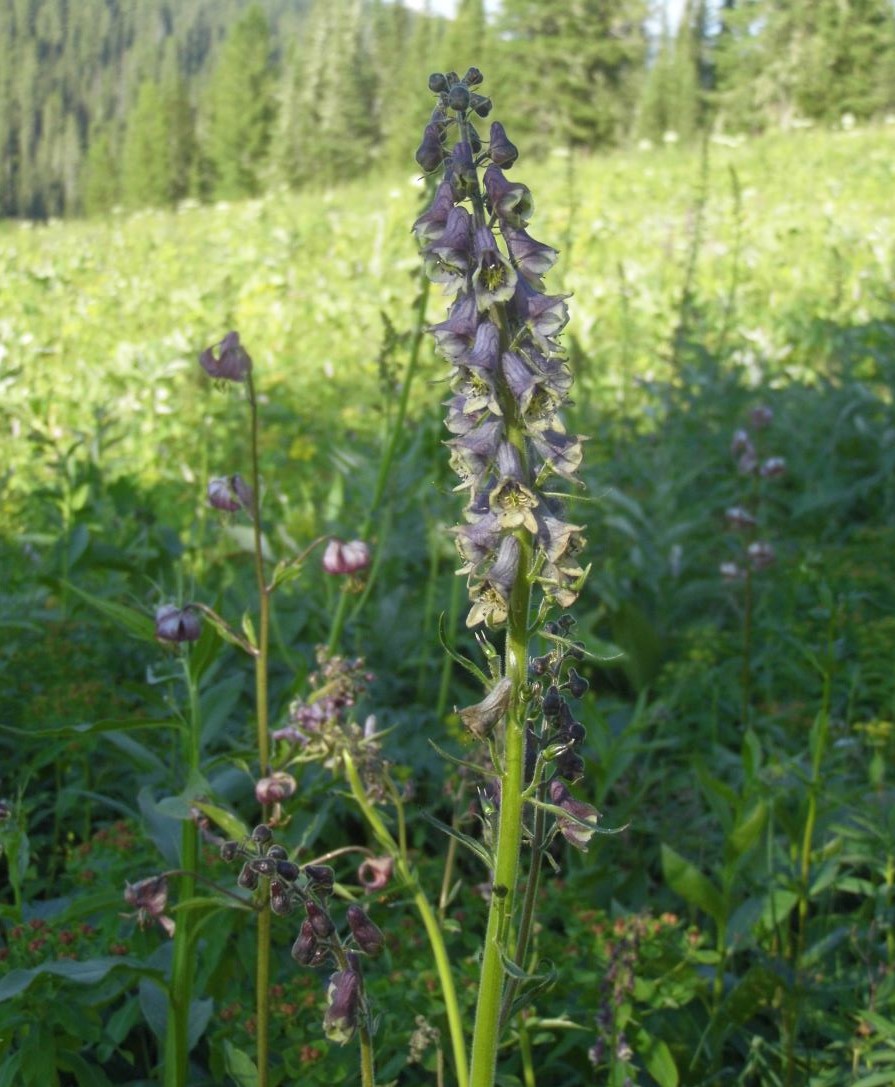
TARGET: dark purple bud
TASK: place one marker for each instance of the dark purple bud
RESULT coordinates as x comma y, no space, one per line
552,702
277,853
480,105
430,153
173,624
482,718
306,946
343,999
473,77
320,878
575,731
321,922
501,152
458,97
280,899
232,362
375,872
346,558
539,665
263,866
229,851
437,83
262,834
368,936
570,766
577,684
475,140
464,178
288,870
248,877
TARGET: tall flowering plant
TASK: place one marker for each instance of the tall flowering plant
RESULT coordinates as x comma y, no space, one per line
509,382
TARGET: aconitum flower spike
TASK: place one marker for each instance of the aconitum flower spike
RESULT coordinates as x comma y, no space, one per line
510,379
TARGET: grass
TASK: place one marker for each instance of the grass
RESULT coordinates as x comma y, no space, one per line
738,929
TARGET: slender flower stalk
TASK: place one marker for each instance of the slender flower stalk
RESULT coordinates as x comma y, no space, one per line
262,660
509,380
176,1066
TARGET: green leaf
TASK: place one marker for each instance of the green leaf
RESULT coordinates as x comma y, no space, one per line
748,829
476,847
240,1066
87,1075
457,658
657,1057
134,622
88,972
229,823
686,880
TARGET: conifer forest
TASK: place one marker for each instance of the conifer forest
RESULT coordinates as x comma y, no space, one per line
447,525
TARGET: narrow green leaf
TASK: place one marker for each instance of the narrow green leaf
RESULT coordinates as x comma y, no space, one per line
129,619
686,880
657,1057
476,847
229,823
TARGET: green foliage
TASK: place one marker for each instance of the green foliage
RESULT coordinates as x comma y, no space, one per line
738,928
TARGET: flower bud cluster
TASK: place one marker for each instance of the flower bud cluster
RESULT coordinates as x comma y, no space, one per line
286,886
509,377
757,554
320,725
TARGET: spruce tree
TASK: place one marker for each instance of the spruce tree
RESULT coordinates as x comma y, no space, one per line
240,109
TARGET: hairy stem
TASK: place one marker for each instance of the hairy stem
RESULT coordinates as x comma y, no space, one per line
176,1066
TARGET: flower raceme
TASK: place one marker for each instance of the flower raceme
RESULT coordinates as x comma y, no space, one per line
509,378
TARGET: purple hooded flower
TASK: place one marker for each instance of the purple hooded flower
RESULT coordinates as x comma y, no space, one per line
494,278
343,997
580,823
562,452
486,348
500,150
455,336
447,259
430,153
430,225
533,258
510,201
149,897
520,379
477,541
545,315
232,362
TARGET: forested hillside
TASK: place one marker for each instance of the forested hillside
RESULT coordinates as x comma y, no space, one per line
109,103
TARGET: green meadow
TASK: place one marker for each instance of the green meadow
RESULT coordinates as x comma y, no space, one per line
737,925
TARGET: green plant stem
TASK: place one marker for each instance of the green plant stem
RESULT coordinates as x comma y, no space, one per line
262,958
176,1067
509,835
526,917
388,455
408,875
746,675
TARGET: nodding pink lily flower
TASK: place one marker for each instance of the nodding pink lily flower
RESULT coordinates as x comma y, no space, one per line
231,363
229,493
739,518
761,555
375,872
346,558
773,466
279,786
149,897
174,625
